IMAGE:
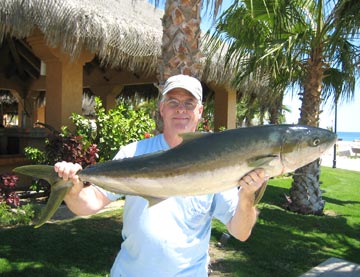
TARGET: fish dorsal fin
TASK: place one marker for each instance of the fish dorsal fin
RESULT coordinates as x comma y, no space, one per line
191,136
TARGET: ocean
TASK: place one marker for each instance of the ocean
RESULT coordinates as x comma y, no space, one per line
348,136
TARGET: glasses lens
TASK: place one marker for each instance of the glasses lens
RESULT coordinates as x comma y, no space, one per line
174,103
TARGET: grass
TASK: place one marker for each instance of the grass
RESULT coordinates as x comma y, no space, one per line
282,243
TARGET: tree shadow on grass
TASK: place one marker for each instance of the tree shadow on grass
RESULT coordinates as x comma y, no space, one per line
86,246
339,202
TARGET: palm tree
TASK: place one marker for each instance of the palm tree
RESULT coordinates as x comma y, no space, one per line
314,44
244,31
180,49
181,37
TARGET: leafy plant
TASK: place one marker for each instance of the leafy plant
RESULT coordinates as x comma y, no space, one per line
11,212
19,215
69,147
64,146
107,132
114,128
35,155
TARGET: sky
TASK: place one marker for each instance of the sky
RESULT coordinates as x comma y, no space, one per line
348,113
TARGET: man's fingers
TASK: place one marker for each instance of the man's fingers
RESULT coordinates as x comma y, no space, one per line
254,179
67,170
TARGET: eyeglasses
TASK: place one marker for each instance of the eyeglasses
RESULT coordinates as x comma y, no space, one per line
173,103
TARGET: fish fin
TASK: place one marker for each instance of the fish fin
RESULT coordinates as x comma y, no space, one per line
59,188
154,200
260,192
258,162
262,161
45,172
194,135
58,191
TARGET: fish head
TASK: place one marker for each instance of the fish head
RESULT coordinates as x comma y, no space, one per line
302,145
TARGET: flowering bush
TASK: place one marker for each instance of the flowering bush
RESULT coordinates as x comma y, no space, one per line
64,146
7,190
71,148
11,212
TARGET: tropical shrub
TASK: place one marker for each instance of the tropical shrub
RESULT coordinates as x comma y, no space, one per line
116,127
61,146
11,212
64,146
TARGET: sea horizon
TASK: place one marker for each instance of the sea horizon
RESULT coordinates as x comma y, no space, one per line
349,136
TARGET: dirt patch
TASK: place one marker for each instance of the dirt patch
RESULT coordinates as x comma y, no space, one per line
217,265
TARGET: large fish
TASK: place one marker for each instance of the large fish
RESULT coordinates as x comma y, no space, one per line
204,163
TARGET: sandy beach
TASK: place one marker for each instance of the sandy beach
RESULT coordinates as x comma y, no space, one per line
346,157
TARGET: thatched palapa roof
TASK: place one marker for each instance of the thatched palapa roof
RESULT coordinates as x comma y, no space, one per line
120,32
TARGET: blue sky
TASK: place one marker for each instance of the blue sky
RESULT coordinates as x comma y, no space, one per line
348,115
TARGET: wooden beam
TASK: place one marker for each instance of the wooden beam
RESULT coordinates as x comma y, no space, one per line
16,57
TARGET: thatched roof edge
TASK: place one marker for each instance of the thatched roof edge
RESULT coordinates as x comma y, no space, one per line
127,35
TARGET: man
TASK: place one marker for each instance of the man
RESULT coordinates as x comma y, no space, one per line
172,237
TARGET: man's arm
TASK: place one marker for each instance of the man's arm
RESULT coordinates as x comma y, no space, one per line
244,219
80,200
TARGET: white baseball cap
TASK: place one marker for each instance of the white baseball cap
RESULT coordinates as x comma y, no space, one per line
189,83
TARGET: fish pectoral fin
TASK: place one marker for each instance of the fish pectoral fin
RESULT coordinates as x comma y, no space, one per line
262,161
154,200
260,192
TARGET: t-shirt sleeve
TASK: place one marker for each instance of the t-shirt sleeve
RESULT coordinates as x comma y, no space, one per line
225,205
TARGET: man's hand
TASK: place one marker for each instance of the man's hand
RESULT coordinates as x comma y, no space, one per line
244,219
81,200
68,171
251,183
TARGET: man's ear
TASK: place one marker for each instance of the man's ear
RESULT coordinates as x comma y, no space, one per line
201,109
161,106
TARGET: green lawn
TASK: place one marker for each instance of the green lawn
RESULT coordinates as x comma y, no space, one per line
282,243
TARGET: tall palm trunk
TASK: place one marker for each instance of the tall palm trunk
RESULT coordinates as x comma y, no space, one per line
180,42
305,193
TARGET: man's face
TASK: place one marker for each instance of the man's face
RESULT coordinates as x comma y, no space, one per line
180,111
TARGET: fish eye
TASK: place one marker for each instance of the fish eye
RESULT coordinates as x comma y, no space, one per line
316,141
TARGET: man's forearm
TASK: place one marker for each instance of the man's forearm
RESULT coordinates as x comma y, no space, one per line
87,201
244,219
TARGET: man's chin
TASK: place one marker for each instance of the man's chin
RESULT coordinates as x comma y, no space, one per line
184,129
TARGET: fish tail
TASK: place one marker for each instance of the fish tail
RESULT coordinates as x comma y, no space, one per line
59,188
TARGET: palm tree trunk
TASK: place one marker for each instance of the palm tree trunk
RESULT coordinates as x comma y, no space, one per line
305,193
180,42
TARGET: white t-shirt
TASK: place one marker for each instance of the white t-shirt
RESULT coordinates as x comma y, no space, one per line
170,238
